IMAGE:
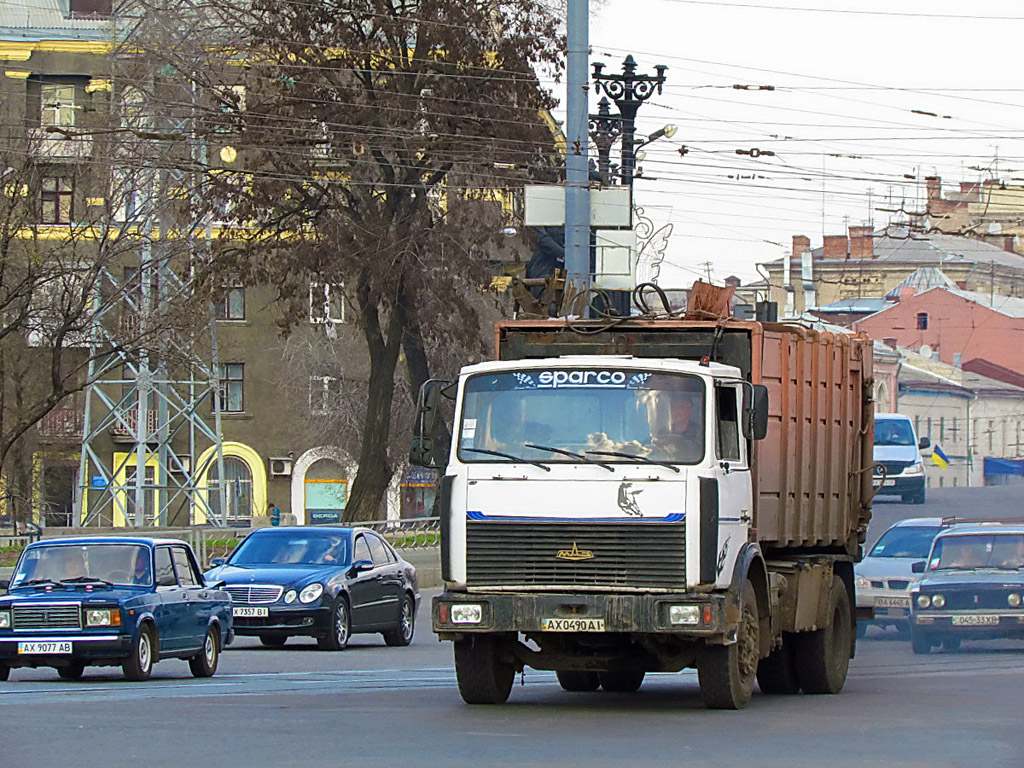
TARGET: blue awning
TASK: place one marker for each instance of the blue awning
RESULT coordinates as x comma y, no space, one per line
1004,466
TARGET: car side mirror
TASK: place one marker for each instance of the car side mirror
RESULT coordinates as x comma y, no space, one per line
5,584
217,561
923,443
361,566
917,567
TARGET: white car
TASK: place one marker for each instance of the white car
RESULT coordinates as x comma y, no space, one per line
883,578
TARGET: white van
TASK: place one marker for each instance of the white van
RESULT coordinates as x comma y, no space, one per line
898,450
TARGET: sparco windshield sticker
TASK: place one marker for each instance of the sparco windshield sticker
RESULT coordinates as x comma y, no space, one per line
581,379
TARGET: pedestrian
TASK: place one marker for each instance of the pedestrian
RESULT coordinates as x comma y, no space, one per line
273,513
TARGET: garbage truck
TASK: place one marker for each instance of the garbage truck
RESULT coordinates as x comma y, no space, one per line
652,495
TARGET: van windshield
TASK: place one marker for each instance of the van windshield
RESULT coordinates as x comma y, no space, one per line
561,415
893,432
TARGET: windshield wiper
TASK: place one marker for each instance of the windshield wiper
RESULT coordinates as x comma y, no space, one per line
508,456
644,459
573,454
87,580
36,582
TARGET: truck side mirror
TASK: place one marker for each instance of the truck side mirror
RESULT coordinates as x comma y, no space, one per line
755,421
917,567
422,450
923,443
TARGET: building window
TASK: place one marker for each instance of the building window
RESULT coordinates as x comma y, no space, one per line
57,192
57,106
231,387
324,394
942,428
326,303
230,304
922,321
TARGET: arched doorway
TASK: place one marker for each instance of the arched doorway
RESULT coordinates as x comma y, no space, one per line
325,492
246,482
239,495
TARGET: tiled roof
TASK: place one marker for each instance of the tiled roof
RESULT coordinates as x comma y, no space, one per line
48,20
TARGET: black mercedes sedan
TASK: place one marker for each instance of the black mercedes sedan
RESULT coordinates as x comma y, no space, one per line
327,583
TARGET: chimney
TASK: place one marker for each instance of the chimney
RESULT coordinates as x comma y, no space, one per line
970,191
862,243
801,245
934,187
1008,245
835,247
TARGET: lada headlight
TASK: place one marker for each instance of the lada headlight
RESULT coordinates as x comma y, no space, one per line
311,593
5,619
102,617
1012,599
938,601
923,601
467,613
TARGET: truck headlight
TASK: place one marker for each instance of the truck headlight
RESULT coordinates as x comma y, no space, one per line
914,469
467,613
684,614
102,617
5,619
1013,600
311,593
862,582
938,601
923,601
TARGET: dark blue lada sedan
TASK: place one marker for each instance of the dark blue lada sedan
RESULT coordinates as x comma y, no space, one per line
111,601
326,583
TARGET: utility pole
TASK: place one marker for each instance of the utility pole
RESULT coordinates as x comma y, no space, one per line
577,173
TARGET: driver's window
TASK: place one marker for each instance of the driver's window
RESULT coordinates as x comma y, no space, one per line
186,576
362,551
164,568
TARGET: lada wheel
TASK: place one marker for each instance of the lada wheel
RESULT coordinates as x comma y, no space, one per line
578,681
341,627
73,671
726,672
402,634
205,663
776,673
951,644
621,682
823,656
483,677
139,664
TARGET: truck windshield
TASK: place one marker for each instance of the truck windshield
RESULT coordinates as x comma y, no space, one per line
893,432
657,416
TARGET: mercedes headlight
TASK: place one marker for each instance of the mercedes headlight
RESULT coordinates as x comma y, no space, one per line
311,593
923,601
103,617
1013,600
938,601
914,469
290,596
5,619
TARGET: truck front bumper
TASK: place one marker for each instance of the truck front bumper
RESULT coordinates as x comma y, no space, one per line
621,613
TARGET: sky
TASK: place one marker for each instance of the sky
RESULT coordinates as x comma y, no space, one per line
851,80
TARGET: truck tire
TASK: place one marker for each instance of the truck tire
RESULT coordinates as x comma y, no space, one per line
823,656
483,677
776,673
621,682
578,682
726,672
920,641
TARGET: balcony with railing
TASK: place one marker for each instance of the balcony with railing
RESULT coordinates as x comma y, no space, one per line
48,145
61,425
120,433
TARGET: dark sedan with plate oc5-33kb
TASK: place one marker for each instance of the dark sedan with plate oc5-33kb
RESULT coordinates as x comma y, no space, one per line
327,583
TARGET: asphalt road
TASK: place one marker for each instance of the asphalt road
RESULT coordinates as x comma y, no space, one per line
372,705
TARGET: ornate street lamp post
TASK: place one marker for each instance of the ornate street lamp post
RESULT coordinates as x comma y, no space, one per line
604,131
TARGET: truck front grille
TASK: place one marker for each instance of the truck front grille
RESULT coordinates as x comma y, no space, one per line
603,555
47,617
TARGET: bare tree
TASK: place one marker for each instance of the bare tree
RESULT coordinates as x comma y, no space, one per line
363,144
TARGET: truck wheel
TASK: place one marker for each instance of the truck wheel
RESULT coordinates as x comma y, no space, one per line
920,641
483,677
621,682
823,656
776,674
578,682
726,672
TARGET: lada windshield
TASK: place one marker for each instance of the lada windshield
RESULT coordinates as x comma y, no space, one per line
905,541
578,415
292,548
968,552
64,564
